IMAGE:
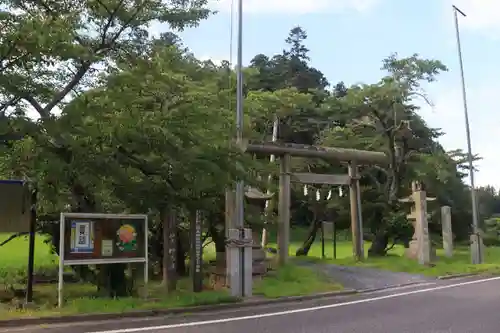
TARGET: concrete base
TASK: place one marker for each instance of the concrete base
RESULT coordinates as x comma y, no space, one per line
412,251
477,249
218,278
218,275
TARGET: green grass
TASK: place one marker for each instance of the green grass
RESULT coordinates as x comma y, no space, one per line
292,280
14,258
460,263
81,298
395,260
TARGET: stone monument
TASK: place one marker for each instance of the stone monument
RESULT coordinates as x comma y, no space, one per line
446,230
420,245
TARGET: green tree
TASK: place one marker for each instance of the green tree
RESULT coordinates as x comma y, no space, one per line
58,49
383,117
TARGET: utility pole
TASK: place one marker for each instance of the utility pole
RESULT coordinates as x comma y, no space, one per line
240,190
476,244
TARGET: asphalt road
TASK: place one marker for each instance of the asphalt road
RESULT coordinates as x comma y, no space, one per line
465,306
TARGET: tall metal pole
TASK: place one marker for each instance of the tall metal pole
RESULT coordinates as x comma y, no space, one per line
240,191
477,255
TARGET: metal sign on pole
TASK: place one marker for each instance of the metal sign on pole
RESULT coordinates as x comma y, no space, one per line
15,206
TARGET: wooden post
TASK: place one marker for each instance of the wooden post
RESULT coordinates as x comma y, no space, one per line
322,240
356,226
334,240
284,210
196,252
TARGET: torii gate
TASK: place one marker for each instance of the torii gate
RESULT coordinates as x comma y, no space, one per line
352,157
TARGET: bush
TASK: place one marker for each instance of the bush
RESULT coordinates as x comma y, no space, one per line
492,232
491,241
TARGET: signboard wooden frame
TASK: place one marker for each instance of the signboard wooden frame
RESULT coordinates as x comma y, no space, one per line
83,232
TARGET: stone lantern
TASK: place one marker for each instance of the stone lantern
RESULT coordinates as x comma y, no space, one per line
414,246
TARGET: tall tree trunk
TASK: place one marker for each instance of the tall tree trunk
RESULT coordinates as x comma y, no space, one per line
311,237
169,227
381,240
111,279
379,244
181,254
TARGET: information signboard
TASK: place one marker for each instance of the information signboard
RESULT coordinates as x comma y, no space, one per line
93,239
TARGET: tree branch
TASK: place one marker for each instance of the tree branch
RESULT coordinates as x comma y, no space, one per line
143,167
41,111
13,101
12,237
84,67
392,246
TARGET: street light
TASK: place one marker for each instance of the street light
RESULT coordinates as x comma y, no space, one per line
477,255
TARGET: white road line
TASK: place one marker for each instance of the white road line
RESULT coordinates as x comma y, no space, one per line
416,285
288,312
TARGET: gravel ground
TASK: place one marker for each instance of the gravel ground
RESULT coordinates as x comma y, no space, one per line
361,278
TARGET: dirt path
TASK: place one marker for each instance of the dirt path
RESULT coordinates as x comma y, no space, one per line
362,278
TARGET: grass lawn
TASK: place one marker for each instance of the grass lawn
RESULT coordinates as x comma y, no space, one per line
458,264
14,258
396,261
81,298
293,280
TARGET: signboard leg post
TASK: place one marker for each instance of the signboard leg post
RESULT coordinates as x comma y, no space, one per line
146,256
61,263
31,251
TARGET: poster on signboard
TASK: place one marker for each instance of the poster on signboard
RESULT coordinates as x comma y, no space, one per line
82,237
126,238
107,248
